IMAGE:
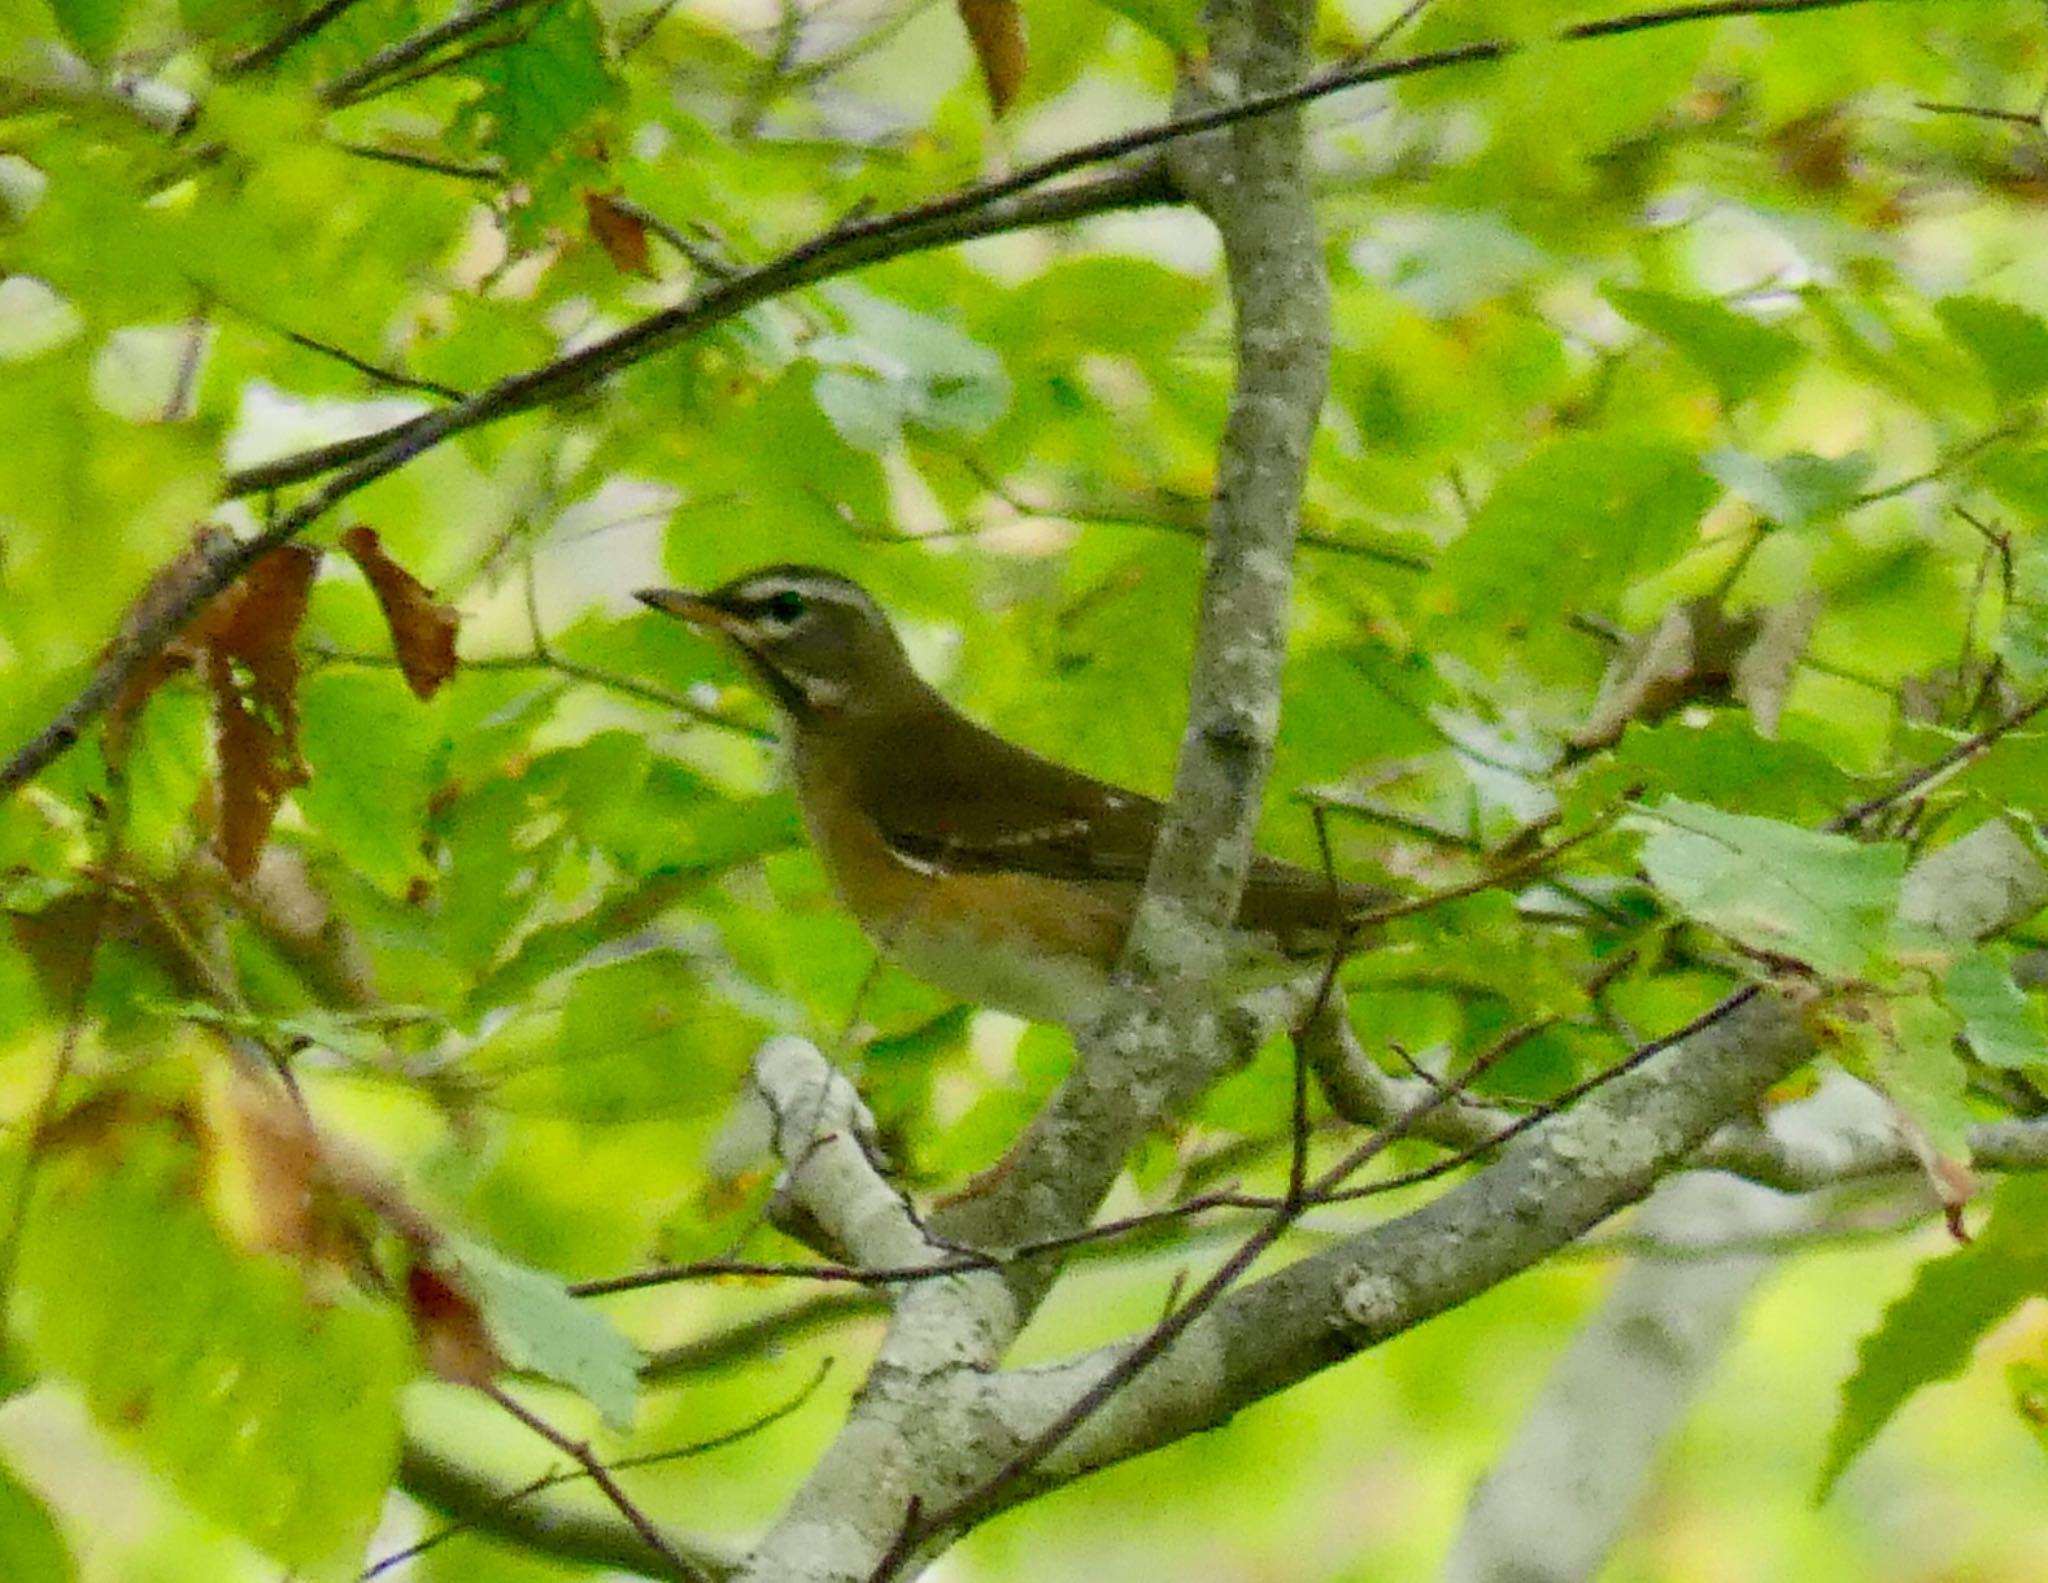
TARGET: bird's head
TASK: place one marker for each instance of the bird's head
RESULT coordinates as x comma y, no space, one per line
820,645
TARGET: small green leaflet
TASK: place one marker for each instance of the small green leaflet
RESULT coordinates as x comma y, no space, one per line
541,88
2003,1026
1736,353
31,1549
1929,1333
1824,900
92,26
2009,344
1905,1045
1175,23
536,1325
1792,490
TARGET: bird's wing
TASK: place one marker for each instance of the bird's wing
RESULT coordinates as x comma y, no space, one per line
966,800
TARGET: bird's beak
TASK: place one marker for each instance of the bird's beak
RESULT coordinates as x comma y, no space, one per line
686,606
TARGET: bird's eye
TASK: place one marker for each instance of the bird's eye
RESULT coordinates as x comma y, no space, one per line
785,608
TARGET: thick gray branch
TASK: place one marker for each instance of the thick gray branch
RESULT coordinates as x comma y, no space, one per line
1160,1049
1549,1186
920,1435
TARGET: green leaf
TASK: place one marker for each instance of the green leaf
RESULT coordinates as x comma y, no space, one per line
274,1411
1823,899
2023,635
542,88
2029,1382
1930,1332
165,769
31,1548
536,1325
1907,1047
1794,491
92,26
899,368
1739,355
1592,513
1725,762
2004,1027
2008,342
1175,23
368,746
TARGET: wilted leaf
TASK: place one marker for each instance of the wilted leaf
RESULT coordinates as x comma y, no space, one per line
1824,900
169,587
250,664
273,1412
451,1330
619,231
1813,151
996,30
422,631
1700,653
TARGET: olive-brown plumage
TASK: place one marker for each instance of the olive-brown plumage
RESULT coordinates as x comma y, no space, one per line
994,873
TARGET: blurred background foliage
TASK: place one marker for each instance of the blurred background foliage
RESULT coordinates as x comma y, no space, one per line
1741,325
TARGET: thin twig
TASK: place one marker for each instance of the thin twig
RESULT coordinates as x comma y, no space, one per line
1919,779
985,1497
373,75
548,1481
601,1476
275,48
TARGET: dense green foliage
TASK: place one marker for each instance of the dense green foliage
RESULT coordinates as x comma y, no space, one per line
1680,488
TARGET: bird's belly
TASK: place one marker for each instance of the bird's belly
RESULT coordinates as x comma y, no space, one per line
1024,943
1025,978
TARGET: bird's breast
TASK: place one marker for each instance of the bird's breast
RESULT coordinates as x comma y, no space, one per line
1034,946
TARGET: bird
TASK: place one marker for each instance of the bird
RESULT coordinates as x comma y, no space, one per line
999,876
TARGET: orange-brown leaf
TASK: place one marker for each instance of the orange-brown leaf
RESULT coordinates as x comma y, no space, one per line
453,1337
422,632
996,30
619,231
250,663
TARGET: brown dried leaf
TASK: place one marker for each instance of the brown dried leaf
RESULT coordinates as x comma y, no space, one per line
1814,151
619,231
453,1337
171,585
1699,653
265,1165
996,30
422,632
250,664
1764,671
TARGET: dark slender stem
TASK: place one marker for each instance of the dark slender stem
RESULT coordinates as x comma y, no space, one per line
373,74
274,49
1962,752
601,1476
